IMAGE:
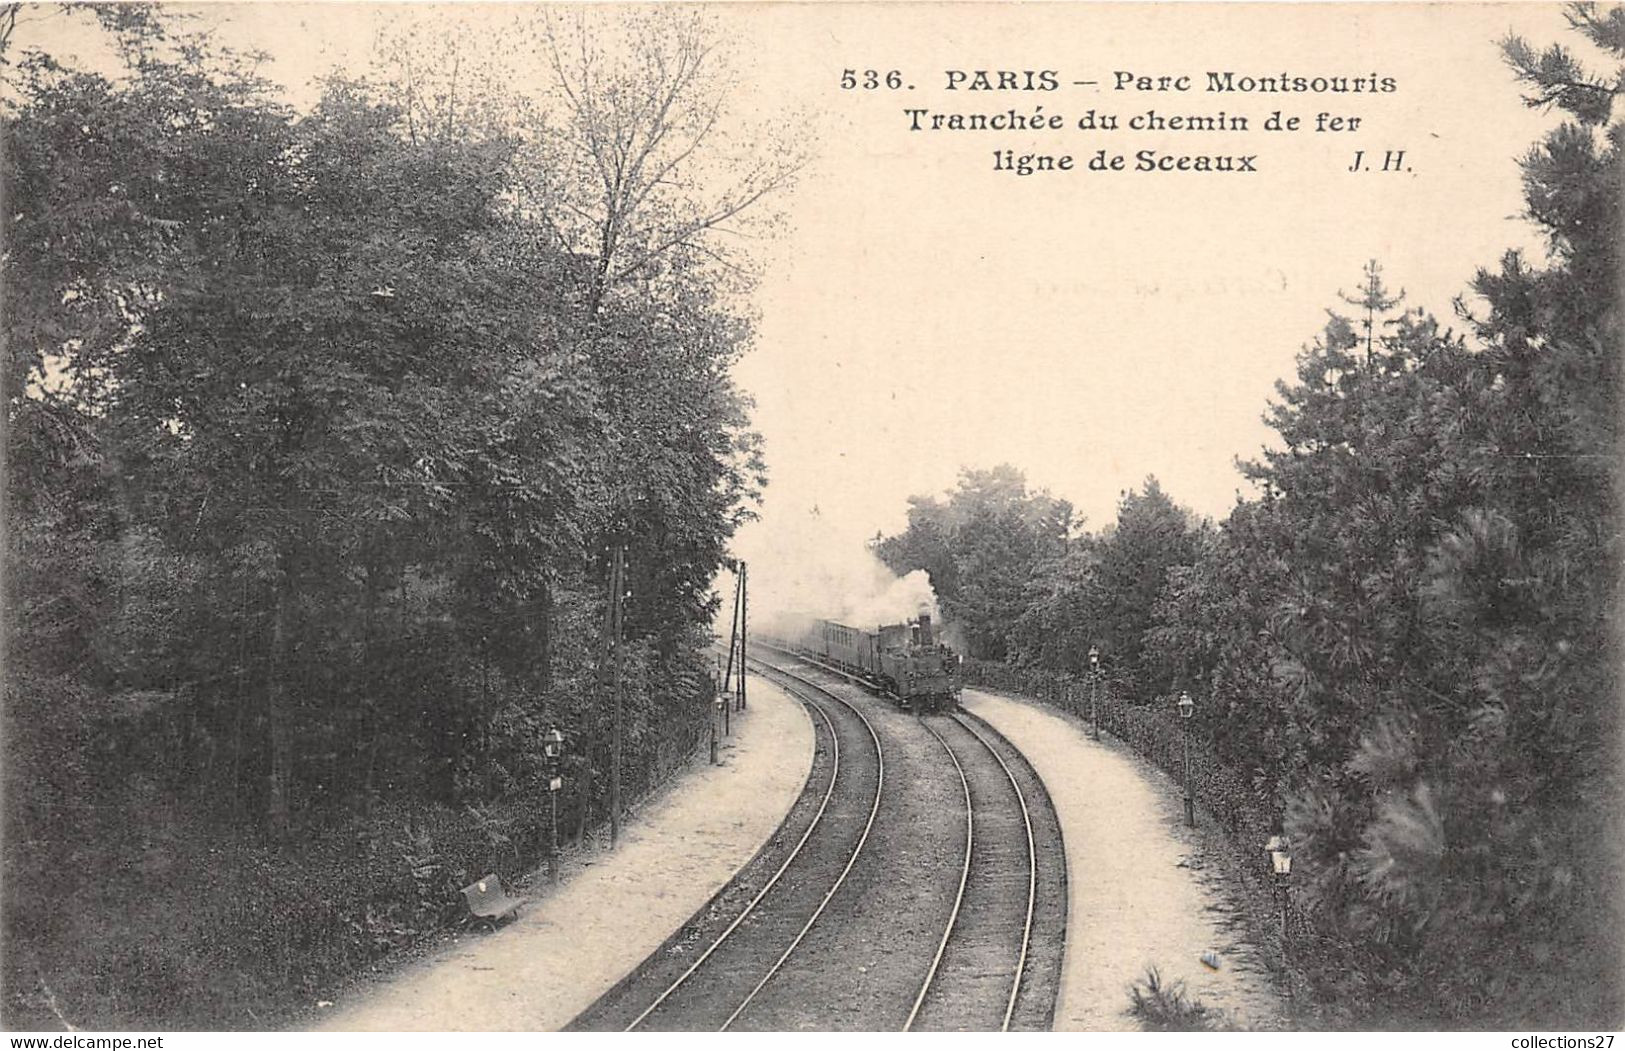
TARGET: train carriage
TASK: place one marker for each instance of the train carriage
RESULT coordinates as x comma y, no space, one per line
904,661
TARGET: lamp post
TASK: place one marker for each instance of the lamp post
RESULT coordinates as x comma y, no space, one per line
1281,863
553,755
1094,691
1187,708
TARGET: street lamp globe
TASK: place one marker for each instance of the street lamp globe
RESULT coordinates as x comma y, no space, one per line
1280,856
1187,707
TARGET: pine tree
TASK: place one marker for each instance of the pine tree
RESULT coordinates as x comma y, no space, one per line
1375,301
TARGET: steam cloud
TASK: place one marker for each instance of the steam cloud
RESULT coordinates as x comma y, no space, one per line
809,568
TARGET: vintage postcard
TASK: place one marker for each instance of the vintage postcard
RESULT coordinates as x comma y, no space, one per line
811,516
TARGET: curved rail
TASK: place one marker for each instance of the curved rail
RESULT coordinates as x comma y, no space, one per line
1032,871
874,809
964,877
823,804
833,669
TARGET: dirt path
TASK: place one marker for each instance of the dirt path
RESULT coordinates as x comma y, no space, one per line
1142,890
611,910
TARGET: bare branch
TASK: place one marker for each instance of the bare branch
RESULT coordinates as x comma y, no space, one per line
688,151
580,111
637,117
722,214
719,258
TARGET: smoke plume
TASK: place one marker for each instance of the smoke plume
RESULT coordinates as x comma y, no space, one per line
806,567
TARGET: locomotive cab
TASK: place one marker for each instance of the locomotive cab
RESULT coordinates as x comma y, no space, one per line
903,660
918,670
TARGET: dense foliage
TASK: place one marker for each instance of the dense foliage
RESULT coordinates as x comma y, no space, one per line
1405,642
980,547
316,442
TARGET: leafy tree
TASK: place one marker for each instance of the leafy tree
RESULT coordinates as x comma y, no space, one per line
1057,628
1101,592
312,453
631,125
1152,536
980,548
1406,642
1429,574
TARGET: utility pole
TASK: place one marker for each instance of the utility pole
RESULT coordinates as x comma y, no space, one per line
744,611
617,600
733,635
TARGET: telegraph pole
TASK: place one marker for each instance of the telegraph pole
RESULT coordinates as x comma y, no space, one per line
733,635
617,600
744,611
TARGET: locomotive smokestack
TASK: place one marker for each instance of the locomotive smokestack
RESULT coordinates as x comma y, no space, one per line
925,630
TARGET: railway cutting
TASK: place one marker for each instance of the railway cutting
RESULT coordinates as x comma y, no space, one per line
917,883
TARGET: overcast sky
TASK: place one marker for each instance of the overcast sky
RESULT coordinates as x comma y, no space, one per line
929,313
921,312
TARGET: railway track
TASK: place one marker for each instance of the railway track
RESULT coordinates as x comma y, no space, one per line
740,943
922,897
880,781
1011,880
1035,988
976,980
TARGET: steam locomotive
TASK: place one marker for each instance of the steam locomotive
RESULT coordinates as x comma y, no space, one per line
903,661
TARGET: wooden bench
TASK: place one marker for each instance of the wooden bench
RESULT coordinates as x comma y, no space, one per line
487,899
